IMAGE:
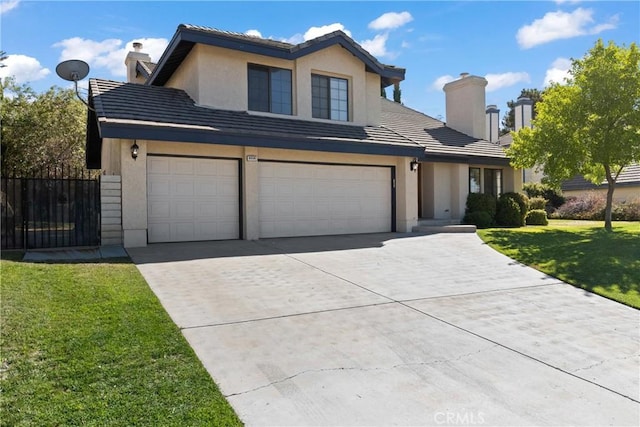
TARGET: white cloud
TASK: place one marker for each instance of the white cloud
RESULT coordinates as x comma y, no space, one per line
390,21
558,72
23,68
7,5
294,39
561,25
253,33
499,81
314,32
441,81
108,53
376,46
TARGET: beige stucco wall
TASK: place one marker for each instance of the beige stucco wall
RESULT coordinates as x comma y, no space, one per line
187,77
620,194
223,84
445,187
134,191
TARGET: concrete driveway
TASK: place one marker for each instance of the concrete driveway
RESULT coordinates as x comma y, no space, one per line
397,329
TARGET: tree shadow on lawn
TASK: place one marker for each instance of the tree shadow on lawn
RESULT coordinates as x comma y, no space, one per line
586,258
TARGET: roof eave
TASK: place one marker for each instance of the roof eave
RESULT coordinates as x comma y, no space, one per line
185,38
210,136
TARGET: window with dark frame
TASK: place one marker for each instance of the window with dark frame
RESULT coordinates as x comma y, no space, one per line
493,182
474,180
329,98
270,89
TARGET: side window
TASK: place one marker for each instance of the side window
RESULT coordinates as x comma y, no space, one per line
270,89
493,181
474,180
329,98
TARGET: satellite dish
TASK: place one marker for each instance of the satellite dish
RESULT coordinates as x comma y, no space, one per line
72,70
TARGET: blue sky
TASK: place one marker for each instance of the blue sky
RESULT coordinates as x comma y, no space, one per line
514,44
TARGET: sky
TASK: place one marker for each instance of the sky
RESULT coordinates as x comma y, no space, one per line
513,44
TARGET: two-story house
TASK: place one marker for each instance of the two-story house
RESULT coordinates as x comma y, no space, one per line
231,136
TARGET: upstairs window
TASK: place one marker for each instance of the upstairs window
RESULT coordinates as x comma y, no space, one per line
329,98
270,89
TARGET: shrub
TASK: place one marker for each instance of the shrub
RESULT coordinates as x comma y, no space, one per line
478,202
555,197
626,211
522,201
537,217
589,206
481,219
508,213
537,202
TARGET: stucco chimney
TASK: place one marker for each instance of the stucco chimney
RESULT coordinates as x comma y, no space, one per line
492,114
132,59
465,104
523,112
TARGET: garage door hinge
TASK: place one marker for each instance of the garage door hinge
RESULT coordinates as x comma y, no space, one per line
393,182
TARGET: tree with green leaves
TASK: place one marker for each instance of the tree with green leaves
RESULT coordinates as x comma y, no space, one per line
41,130
589,126
509,119
397,93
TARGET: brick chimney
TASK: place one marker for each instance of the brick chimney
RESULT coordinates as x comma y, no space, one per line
523,112
492,114
465,105
132,59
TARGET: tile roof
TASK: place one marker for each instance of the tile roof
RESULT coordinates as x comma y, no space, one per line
129,104
239,36
630,176
434,135
163,108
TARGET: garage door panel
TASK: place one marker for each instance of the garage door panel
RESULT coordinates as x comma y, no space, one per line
157,165
159,209
183,210
192,199
317,199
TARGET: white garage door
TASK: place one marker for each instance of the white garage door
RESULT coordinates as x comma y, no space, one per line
312,199
192,199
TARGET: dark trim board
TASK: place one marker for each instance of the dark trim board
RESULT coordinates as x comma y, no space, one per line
163,133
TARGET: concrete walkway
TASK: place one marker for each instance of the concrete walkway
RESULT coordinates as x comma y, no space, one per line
393,329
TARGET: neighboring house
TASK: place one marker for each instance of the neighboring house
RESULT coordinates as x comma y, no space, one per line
627,186
238,137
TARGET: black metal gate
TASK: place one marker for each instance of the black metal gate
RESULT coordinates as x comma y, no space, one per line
51,210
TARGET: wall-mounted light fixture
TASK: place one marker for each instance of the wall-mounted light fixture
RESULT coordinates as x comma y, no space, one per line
134,150
414,165
74,70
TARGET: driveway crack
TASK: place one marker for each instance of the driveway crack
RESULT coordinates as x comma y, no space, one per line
361,369
593,365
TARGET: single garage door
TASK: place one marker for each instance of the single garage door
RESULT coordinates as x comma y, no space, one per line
192,199
318,199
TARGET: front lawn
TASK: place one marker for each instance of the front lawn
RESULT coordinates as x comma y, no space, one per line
90,344
578,252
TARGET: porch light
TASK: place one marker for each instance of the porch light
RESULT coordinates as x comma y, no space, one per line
134,150
413,166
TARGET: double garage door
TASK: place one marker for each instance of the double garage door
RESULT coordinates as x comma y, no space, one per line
199,199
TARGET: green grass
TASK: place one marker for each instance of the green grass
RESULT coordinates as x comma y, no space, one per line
90,344
578,252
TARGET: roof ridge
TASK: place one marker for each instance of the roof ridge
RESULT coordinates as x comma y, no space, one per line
232,33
